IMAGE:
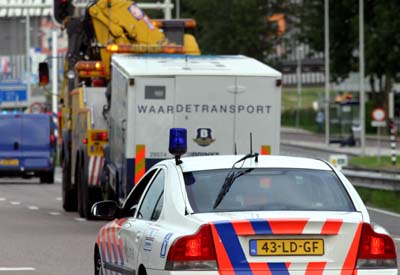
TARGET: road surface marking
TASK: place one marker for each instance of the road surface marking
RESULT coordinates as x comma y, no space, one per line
17,269
55,213
15,202
58,198
3,199
80,219
32,207
384,212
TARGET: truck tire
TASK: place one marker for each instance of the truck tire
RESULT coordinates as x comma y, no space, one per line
47,177
87,196
68,193
79,182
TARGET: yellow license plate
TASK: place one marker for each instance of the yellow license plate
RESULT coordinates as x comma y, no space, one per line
10,162
287,247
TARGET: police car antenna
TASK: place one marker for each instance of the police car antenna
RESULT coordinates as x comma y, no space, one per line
251,148
235,149
251,143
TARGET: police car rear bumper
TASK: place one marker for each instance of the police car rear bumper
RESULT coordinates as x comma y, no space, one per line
326,272
169,272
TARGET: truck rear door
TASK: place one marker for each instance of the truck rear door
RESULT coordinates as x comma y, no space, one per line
205,106
258,102
35,140
154,113
10,140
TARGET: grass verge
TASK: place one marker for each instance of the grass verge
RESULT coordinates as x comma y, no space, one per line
383,199
374,162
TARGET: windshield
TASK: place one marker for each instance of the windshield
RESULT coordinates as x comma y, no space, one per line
268,189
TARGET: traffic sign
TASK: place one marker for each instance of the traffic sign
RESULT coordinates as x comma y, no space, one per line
378,114
12,92
376,123
339,161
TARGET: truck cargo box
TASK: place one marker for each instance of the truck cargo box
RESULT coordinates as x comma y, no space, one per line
220,100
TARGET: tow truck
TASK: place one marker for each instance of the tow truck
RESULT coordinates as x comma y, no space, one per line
108,27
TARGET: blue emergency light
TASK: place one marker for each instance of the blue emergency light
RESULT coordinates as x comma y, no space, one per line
177,141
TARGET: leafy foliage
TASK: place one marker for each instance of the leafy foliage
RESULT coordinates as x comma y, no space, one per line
382,39
343,33
236,26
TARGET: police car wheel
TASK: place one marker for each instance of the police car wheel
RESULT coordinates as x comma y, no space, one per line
97,264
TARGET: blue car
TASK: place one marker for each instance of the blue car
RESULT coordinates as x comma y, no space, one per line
27,146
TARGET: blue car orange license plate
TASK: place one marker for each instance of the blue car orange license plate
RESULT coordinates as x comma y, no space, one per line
9,162
287,247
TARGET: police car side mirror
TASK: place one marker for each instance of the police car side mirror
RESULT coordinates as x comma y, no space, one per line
106,210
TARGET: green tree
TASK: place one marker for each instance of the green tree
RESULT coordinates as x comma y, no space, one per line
343,36
382,39
236,26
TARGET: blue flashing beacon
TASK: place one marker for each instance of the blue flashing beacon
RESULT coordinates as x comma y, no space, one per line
177,141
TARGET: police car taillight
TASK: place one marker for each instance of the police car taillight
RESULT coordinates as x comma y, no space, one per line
375,250
193,252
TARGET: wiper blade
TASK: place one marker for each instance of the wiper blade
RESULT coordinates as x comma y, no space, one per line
231,177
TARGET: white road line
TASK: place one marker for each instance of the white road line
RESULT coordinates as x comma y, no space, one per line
15,202
384,212
32,207
80,219
55,213
3,199
58,199
17,269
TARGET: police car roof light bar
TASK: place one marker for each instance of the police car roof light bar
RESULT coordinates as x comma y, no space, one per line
177,143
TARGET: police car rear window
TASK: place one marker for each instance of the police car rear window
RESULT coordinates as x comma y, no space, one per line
268,189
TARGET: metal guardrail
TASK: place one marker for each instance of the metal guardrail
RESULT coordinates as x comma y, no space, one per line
372,179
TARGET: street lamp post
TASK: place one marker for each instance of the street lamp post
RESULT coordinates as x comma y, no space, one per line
327,72
28,59
362,77
299,51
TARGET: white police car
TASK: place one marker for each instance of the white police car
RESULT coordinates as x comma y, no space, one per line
241,215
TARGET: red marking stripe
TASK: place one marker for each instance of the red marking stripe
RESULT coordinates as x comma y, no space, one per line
350,261
243,228
99,171
315,268
140,159
287,226
260,269
224,263
331,227
265,150
92,170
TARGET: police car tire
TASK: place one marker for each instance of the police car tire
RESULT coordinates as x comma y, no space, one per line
68,193
97,263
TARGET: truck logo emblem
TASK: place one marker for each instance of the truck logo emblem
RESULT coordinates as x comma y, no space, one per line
204,137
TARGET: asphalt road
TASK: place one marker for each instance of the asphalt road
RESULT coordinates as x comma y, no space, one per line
39,238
